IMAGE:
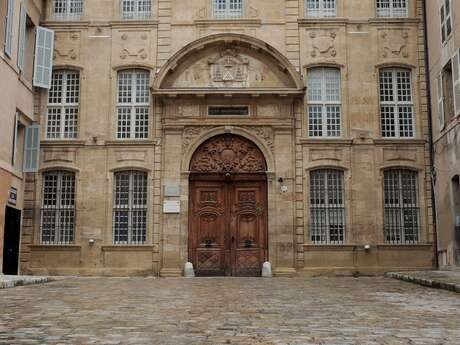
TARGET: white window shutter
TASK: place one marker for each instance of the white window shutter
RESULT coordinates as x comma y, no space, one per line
456,81
44,47
22,37
9,28
440,103
31,148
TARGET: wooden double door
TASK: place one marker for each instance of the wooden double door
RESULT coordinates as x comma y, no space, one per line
228,224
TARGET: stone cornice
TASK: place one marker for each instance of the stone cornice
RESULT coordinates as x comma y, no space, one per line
73,25
228,22
281,92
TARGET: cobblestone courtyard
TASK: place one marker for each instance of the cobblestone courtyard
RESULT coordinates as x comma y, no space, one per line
326,311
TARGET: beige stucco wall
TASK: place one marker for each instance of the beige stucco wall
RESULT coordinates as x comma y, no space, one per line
446,141
16,94
355,42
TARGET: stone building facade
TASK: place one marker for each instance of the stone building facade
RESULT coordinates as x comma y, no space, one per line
228,133
443,46
17,36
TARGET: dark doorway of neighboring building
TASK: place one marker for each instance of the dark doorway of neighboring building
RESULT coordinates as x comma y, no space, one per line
456,212
11,242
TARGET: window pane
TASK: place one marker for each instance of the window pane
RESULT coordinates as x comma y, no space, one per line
315,120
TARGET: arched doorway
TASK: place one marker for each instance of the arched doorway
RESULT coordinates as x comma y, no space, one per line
228,207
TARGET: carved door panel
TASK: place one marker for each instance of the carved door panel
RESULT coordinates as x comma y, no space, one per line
207,236
248,228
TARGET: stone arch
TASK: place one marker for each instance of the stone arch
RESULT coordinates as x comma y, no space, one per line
228,153
261,145
277,59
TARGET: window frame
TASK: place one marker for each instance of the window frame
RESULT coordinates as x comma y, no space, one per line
136,13
443,22
55,212
401,207
227,12
322,11
63,106
72,10
133,134
324,104
396,104
130,207
392,11
323,191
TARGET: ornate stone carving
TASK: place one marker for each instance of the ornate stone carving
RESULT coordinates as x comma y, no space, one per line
228,153
67,46
394,43
323,43
265,133
191,133
134,45
229,69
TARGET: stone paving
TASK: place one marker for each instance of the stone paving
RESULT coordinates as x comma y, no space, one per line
215,311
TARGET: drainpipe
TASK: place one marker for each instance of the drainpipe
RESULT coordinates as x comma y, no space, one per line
430,137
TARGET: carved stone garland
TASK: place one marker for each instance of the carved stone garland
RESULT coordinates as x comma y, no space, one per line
228,154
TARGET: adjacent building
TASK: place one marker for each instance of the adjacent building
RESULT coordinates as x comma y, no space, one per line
18,129
228,133
444,67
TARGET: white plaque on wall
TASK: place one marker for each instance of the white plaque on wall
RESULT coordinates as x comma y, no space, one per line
171,206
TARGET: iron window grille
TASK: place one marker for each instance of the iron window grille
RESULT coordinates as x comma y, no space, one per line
228,9
321,8
136,9
324,102
57,225
63,103
327,207
133,105
392,8
396,106
68,9
402,210
130,208
446,20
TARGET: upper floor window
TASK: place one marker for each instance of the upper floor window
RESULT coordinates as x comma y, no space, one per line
136,9
130,208
321,8
227,9
63,103
446,20
396,105
58,208
8,34
392,8
67,9
324,104
401,206
327,207
133,105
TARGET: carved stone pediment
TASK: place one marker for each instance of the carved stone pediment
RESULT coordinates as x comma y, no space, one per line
229,69
228,154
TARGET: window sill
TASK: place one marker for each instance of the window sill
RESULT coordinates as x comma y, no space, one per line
134,22
326,141
399,141
325,20
128,248
67,23
133,142
56,247
355,247
396,20
61,142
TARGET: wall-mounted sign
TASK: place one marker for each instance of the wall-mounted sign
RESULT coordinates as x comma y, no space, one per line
172,190
171,206
13,196
228,111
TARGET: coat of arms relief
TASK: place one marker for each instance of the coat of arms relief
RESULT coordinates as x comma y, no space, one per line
229,69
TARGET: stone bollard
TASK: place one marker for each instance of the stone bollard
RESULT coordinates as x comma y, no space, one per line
267,270
189,272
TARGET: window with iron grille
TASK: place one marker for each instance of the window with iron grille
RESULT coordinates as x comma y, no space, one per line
228,9
67,9
58,208
446,20
130,208
396,107
327,207
402,211
136,9
321,8
392,8
63,103
324,104
133,105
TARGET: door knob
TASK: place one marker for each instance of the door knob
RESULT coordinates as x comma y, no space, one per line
233,239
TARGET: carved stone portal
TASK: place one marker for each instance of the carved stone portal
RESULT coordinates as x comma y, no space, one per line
228,154
229,69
